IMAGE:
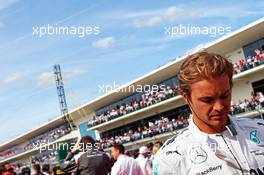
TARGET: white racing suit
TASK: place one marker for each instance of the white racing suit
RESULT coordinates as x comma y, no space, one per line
239,150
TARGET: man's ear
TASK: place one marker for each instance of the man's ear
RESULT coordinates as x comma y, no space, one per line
185,97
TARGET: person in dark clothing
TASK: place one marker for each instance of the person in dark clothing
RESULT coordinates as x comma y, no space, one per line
46,169
1,169
26,171
89,160
36,170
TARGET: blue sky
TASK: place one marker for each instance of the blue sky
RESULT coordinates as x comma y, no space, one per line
131,43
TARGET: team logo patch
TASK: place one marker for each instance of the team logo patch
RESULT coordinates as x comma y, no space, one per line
198,155
254,137
156,169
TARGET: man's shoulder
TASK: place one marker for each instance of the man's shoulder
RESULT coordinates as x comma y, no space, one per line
246,122
252,129
177,144
93,155
128,160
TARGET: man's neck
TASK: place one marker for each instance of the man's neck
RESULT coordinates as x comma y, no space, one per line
120,155
209,129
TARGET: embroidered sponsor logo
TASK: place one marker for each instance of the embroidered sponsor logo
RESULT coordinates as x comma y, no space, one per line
198,155
258,171
254,137
257,152
210,170
259,123
156,169
173,152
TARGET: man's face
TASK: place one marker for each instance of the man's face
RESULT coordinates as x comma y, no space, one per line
114,153
145,155
210,101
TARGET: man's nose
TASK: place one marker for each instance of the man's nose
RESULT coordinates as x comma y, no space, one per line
219,106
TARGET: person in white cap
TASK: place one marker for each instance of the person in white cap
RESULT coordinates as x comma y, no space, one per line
142,158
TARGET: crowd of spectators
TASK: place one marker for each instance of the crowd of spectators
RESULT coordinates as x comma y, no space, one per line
48,157
164,124
152,97
148,98
256,102
48,137
43,167
10,152
40,140
250,62
152,128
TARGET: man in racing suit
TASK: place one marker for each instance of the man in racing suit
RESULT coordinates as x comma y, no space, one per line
214,143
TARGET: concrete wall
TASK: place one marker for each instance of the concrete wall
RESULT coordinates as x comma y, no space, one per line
243,87
236,55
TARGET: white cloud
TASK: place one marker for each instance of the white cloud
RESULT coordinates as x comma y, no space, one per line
147,23
174,13
104,43
75,73
169,14
180,12
198,48
6,3
12,78
47,78
79,71
146,13
231,12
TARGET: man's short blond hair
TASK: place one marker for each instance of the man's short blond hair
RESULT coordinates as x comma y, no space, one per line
201,66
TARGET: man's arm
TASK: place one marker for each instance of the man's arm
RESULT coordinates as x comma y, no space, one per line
107,162
115,169
168,159
162,167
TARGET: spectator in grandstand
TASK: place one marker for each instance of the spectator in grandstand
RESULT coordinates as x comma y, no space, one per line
9,170
47,137
255,103
142,158
250,62
46,169
26,171
1,169
46,157
124,165
57,170
149,98
205,81
36,170
148,129
10,152
261,97
90,160
149,164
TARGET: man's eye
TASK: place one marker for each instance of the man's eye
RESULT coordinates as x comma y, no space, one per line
207,100
224,96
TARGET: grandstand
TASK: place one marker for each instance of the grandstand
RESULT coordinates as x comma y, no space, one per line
137,118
